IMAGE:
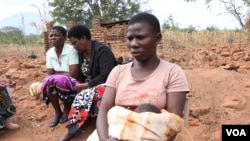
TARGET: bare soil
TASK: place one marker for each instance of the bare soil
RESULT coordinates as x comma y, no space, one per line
220,89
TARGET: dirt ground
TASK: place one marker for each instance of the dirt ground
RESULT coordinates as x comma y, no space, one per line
218,77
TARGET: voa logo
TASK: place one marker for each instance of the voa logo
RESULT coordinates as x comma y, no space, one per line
236,132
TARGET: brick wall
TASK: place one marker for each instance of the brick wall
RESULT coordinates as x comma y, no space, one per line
111,34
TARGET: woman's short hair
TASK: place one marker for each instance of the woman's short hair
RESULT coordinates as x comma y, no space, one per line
60,29
78,31
147,18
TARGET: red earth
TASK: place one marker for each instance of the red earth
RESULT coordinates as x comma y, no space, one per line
218,77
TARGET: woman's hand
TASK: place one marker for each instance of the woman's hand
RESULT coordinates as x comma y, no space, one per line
2,86
6,82
11,83
80,87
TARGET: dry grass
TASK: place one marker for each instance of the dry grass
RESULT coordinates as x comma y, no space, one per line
21,50
172,40
177,39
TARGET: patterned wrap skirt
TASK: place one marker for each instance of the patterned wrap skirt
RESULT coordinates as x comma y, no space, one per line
86,104
60,84
7,109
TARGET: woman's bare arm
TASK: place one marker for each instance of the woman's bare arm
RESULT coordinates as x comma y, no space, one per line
176,102
73,71
108,101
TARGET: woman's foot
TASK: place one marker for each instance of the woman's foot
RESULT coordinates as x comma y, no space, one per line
55,120
64,116
67,106
66,136
63,119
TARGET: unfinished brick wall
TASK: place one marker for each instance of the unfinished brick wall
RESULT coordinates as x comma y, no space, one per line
97,32
69,25
112,34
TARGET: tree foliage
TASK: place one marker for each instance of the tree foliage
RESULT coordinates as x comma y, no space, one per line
13,35
236,8
170,24
84,11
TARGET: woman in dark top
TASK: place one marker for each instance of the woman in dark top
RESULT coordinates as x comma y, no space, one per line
95,67
96,61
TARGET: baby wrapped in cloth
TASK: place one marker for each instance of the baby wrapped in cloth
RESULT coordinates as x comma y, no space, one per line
129,125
